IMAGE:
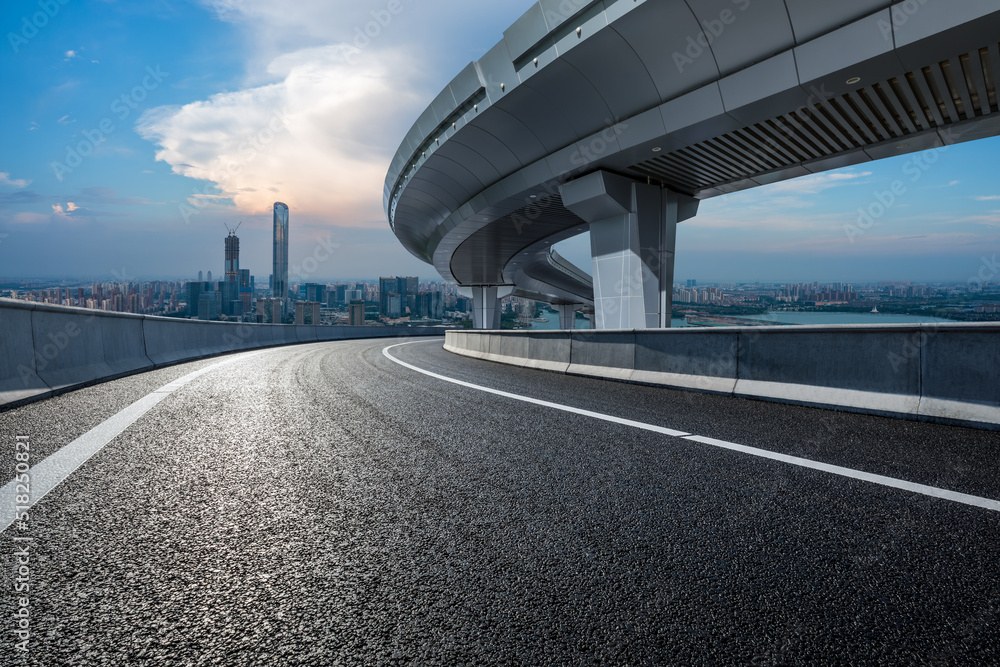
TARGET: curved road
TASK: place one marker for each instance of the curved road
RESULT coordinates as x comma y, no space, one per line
322,504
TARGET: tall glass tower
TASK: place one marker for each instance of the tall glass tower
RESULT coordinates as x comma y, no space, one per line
280,256
232,257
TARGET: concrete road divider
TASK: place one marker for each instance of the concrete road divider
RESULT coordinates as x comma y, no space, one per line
18,376
69,345
124,343
935,372
959,373
47,349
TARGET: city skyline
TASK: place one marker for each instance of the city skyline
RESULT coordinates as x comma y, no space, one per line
131,155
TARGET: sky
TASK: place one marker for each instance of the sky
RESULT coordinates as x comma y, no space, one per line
134,132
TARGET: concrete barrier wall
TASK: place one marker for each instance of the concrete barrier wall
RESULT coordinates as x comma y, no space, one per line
47,349
935,372
18,375
69,346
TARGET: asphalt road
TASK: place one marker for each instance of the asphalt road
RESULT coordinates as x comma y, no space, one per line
320,504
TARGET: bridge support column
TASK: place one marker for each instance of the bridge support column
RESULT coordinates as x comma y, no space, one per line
567,315
633,230
486,304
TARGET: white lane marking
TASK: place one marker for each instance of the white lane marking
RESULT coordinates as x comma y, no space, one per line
50,472
528,399
922,489
964,498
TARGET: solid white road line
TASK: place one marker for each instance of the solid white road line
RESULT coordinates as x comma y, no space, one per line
51,471
976,501
536,401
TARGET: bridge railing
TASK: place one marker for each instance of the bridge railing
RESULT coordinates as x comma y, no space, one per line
935,372
46,349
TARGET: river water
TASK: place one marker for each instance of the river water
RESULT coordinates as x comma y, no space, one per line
786,317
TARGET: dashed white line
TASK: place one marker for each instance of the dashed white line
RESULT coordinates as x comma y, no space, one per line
923,489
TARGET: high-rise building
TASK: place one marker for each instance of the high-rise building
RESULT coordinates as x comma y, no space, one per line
208,306
269,311
229,298
430,305
209,277
280,255
201,276
407,288
315,292
357,312
394,306
341,295
194,292
245,283
386,286
232,257
307,312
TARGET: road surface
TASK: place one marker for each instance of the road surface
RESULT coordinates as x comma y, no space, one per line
323,504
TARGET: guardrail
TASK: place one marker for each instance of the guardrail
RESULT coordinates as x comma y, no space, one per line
47,350
931,372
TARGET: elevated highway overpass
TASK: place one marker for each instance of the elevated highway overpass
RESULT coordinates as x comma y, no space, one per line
618,117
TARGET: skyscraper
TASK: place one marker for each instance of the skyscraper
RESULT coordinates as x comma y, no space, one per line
357,312
232,257
386,286
280,255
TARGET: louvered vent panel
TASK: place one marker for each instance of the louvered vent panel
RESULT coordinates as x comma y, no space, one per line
953,90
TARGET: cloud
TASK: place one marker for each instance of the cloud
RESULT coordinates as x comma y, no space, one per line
29,218
108,197
991,219
71,54
71,211
66,120
989,198
5,179
21,198
320,137
818,182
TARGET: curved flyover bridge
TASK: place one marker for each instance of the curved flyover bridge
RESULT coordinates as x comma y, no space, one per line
619,116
